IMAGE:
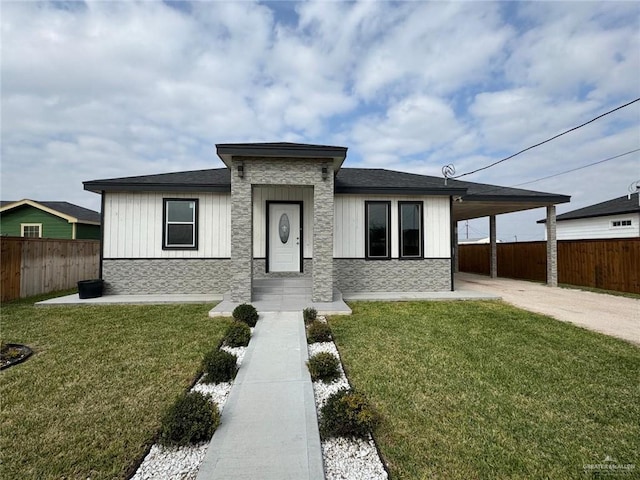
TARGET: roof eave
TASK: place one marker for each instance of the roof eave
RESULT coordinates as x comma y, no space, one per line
595,215
543,199
226,152
39,206
98,187
399,191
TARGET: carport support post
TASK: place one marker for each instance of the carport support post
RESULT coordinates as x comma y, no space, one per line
493,265
552,247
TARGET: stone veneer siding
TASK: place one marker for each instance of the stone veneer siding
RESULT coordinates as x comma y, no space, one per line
166,276
360,275
260,267
281,171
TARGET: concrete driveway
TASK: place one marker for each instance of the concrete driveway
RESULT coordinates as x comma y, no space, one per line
609,314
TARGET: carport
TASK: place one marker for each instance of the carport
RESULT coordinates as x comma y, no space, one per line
482,200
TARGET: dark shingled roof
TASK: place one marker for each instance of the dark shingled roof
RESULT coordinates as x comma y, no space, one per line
617,206
70,209
348,180
370,180
211,180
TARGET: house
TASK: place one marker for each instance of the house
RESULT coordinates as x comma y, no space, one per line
476,241
290,210
617,218
29,218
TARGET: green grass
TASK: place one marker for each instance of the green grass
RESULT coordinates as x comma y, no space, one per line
89,401
483,390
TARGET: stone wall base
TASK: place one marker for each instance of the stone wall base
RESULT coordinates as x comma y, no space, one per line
360,275
166,276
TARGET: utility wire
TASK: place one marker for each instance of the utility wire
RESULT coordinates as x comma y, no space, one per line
548,140
578,168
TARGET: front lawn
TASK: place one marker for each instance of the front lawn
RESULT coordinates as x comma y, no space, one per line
483,390
89,400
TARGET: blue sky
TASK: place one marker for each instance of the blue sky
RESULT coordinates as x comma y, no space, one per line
108,89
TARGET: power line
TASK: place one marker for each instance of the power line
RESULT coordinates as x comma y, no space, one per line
578,168
548,140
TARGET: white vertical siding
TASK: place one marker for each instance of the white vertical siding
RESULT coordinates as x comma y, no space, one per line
437,232
349,229
133,225
283,193
597,227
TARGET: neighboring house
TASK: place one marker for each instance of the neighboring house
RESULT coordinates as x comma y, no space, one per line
284,209
29,218
476,241
617,218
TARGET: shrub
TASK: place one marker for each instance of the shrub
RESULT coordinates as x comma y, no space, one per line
318,331
246,313
219,366
237,335
191,419
348,414
324,366
309,314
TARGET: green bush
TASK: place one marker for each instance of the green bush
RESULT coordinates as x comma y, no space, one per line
324,366
347,414
246,313
219,366
318,331
191,419
237,335
309,314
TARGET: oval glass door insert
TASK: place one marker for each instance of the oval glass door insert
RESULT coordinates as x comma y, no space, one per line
283,228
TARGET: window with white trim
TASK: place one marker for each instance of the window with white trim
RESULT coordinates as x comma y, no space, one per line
32,230
621,223
180,224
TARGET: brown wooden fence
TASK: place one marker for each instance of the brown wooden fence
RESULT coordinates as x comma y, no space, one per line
31,266
611,264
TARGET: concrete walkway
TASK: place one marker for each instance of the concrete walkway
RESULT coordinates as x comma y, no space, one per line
608,314
269,428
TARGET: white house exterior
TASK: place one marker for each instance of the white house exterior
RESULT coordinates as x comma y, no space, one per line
281,209
617,218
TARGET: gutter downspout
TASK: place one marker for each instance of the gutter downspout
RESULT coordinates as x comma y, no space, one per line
102,204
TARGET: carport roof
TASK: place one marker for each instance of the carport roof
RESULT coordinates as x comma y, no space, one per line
471,200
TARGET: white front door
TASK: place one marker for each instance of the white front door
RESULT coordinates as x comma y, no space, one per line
285,237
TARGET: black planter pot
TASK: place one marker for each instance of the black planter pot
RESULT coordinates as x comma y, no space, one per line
90,288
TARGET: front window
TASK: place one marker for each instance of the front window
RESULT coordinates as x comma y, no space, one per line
621,223
33,230
410,217
378,219
180,223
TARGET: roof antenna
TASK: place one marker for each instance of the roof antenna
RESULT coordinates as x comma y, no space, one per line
633,188
448,171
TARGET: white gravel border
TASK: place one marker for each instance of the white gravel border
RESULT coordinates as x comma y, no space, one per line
344,458
183,463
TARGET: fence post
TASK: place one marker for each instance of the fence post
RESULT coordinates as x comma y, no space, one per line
552,247
493,265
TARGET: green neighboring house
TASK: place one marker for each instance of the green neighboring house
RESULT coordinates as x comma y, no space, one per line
28,218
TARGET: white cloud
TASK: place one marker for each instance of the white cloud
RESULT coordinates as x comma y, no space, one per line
109,89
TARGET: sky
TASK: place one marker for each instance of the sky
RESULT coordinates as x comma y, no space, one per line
105,89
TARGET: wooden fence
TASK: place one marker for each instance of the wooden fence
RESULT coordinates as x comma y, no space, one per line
611,264
31,266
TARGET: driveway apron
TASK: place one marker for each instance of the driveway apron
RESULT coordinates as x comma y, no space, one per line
269,428
608,314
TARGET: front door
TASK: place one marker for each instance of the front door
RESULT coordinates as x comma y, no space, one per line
285,237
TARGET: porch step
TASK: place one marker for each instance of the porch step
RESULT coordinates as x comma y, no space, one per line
264,289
